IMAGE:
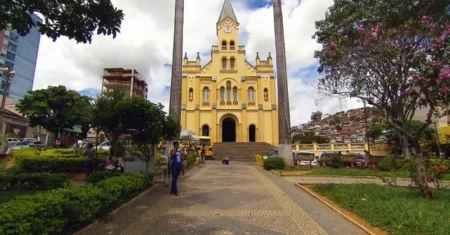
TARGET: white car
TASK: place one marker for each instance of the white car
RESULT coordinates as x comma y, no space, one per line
106,145
13,140
28,139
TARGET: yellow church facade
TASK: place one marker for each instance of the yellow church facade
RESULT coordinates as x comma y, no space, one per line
229,99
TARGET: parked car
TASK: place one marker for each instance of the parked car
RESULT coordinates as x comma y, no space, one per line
25,144
106,145
13,140
304,158
28,139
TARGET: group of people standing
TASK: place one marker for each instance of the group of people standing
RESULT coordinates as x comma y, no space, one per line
178,157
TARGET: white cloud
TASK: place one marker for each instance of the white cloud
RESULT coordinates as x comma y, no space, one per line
146,40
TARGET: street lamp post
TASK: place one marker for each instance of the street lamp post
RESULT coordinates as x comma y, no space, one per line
366,126
8,74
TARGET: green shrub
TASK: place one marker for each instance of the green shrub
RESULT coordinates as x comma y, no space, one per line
20,154
39,181
98,176
190,159
274,163
387,164
63,210
336,161
56,153
57,164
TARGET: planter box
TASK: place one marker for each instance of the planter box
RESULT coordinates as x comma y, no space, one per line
77,176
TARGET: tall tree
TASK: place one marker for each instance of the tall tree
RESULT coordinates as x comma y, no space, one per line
147,123
51,108
177,62
284,118
399,47
316,116
75,19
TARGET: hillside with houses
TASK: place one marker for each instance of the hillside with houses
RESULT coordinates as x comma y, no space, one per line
341,127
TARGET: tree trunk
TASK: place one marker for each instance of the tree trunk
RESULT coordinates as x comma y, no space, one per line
405,146
177,62
285,142
421,174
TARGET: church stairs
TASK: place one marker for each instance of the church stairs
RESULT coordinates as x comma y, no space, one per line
243,152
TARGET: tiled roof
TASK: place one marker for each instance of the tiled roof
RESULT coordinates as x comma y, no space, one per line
227,11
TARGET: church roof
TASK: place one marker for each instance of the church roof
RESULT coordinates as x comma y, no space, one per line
227,11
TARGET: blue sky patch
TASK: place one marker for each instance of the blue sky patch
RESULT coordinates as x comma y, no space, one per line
255,4
91,92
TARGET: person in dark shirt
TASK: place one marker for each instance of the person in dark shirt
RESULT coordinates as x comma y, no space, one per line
203,156
90,154
177,157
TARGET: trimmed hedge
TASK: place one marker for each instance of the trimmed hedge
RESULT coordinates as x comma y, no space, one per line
39,181
53,160
63,210
98,176
274,163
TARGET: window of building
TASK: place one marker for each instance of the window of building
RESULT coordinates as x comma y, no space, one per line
224,45
232,63
235,93
266,93
224,63
205,130
205,95
228,90
232,46
222,93
191,93
251,95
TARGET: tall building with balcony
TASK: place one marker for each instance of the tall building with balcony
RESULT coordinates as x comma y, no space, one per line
19,54
129,79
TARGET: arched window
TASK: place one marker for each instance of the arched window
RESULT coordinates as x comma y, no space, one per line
222,93
232,47
251,95
235,93
232,63
205,95
191,93
266,94
205,130
224,63
224,45
228,90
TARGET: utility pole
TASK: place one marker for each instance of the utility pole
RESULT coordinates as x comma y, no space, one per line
8,74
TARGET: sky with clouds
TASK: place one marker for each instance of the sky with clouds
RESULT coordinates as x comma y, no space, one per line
146,39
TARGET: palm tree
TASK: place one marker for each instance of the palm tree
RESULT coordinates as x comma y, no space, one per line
177,59
284,119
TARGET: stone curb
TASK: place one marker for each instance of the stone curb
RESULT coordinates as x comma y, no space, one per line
336,209
120,208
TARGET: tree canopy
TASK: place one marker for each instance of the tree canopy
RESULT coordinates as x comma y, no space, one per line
393,54
51,108
316,116
75,19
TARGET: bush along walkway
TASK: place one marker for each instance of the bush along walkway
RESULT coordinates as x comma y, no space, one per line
63,210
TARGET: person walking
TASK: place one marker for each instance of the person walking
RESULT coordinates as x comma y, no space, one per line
203,156
90,155
177,157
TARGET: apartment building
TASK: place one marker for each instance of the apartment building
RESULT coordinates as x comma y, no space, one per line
19,54
129,79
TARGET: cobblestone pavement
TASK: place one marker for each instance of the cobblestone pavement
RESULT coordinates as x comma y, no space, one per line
216,200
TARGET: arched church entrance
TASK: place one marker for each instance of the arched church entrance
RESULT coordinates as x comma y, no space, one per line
229,129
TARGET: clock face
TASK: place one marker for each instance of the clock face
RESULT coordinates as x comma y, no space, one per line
227,29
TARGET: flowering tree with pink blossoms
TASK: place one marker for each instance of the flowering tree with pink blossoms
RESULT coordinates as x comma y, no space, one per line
392,54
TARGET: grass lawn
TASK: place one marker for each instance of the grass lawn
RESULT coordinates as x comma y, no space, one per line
355,172
396,210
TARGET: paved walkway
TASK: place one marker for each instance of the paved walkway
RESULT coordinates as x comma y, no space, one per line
223,200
